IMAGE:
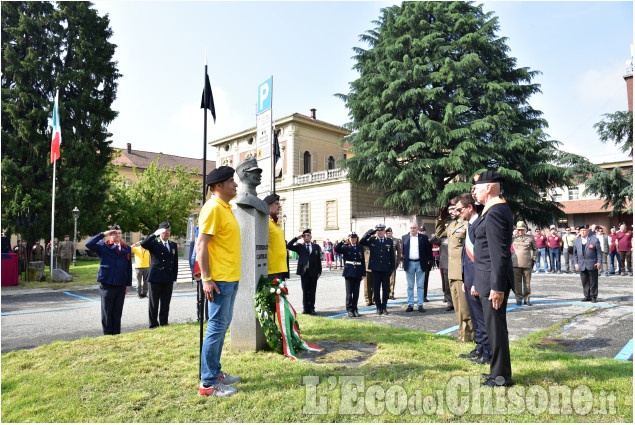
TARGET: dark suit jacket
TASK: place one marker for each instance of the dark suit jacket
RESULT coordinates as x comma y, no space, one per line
493,268
164,263
314,261
425,251
587,259
466,263
115,268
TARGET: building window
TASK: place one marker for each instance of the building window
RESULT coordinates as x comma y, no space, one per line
331,215
305,218
331,164
307,162
574,193
127,238
556,195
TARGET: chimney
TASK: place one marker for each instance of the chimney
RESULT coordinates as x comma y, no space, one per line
129,148
313,113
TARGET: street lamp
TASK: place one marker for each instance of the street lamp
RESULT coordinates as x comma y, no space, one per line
284,223
75,216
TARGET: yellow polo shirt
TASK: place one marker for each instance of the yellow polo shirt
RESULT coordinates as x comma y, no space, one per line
277,249
217,219
141,257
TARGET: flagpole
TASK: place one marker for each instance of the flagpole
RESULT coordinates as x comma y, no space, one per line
53,220
271,139
199,285
53,194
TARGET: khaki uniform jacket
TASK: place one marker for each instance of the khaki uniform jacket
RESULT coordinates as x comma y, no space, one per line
66,250
456,232
367,258
525,251
397,243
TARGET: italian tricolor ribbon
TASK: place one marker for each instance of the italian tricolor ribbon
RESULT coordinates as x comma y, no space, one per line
286,321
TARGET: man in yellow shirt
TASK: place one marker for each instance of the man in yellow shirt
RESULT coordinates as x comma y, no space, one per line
277,264
142,266
218,255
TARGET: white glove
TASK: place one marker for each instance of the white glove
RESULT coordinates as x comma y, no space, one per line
159,232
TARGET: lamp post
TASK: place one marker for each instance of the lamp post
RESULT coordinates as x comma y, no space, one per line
284,223
75,216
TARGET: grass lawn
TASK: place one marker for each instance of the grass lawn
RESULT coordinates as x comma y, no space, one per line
84,274
152,376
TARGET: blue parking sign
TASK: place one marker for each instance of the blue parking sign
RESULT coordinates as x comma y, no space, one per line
264,95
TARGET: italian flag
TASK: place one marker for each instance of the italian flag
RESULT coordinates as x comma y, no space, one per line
57,131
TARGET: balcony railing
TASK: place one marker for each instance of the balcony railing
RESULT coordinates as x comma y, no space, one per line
319,176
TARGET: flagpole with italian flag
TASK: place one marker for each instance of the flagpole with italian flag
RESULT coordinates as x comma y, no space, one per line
56,141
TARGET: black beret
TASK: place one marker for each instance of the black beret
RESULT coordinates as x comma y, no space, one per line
422,228
270,199
489,177
164,225
389,229
66,236
219,174
307,231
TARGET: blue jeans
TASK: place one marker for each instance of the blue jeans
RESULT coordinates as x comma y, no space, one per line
554,257
220,316
413,272
542,252
612,257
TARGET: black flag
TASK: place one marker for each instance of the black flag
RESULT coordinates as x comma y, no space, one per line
276,150
207,100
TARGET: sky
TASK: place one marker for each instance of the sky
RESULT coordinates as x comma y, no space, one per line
580,48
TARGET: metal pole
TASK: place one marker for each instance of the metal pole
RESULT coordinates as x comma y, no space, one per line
75,243
53,222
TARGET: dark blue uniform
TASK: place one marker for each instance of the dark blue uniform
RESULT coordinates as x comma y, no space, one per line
115,273
381,262
493,271
164,268
474,305
354,270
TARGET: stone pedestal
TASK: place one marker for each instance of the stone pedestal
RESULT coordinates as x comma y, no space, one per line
245,331
35,271
61,276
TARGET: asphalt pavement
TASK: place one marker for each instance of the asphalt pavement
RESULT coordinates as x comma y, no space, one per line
33,317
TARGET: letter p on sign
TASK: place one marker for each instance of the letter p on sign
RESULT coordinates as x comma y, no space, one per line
264,95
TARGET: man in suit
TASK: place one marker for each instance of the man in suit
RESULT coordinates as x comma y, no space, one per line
469,211
417,252
393,276
164,267
382,262
309,268
114,276
493,270
587,258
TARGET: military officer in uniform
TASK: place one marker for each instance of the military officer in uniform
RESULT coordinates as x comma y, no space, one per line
382,262
456,231
114,276
393,275
368,282
524,254
37,252
66,253
164,268
354,270
20,249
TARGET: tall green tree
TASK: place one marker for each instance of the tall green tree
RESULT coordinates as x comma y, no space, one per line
438,99
159,194
614,186
47,47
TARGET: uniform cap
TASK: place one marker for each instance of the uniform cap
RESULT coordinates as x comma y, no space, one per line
249,164
220,174
353,235
488,177
270,199
521,225
164,225
380,226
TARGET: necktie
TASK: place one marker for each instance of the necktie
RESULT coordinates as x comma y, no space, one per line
307,248
119,249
